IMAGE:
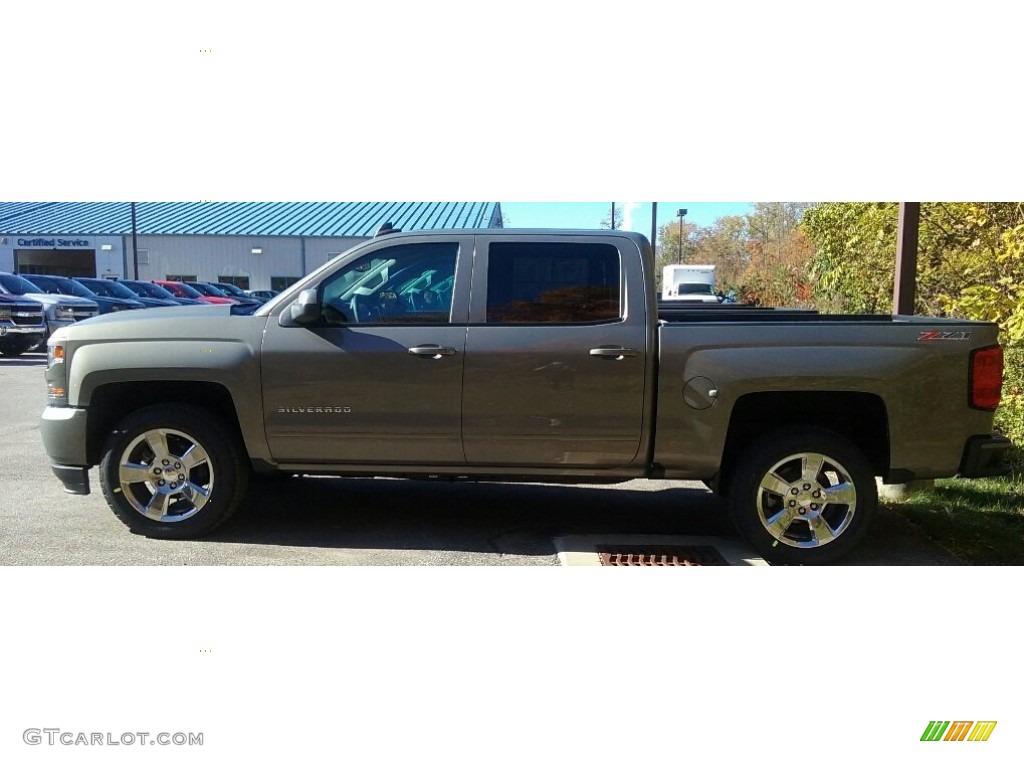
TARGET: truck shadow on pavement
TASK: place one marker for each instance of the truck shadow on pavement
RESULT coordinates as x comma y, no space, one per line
519,519
510,519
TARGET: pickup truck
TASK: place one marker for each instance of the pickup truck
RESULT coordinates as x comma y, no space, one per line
520,355
22,325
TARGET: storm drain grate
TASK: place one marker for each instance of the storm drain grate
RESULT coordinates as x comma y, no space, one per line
634,555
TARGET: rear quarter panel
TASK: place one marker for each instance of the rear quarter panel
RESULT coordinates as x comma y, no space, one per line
923,384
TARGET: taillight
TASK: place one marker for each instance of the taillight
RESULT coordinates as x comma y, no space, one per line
986,378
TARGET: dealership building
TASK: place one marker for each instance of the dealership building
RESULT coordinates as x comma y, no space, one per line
253,245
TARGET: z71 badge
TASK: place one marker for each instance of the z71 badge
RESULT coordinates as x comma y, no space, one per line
944,336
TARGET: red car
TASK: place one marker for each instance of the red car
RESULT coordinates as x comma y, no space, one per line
183,291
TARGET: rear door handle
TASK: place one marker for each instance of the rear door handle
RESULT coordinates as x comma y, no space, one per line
616,353
432,350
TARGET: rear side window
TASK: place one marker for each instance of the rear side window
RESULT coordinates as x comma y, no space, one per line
552,283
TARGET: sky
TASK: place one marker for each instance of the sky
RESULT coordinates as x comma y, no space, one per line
636,216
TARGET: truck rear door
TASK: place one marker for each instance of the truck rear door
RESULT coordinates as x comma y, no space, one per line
556,353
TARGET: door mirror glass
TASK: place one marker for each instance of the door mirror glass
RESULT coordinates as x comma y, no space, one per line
303,311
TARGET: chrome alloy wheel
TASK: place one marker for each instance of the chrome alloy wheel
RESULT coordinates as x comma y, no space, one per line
166,475
806,500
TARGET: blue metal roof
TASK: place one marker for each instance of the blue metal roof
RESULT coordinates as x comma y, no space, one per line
267,219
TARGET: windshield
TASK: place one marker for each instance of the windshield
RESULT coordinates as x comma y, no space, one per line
232,290
149,290
208,290
701,288
107,288
72,288
18,285
180,289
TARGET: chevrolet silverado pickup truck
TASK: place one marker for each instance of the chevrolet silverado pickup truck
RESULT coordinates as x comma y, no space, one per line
22,326
520,355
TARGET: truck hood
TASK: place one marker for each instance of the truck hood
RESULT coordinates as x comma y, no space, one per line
49,299
201,323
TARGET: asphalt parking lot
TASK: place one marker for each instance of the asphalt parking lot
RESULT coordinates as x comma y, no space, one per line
330,521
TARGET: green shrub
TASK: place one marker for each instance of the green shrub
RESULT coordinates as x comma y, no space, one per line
1010,416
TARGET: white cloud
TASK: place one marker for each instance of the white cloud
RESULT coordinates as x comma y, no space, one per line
627,215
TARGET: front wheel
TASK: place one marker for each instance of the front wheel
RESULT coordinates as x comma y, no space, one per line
173,472
803,497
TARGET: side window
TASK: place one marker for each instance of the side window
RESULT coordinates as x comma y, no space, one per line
552,283
401,285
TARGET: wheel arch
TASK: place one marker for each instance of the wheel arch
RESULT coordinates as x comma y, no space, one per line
860,417
110,403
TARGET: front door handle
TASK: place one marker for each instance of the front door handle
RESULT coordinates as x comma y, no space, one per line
432,351
616,353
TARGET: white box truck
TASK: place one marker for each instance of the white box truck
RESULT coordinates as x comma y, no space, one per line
689,282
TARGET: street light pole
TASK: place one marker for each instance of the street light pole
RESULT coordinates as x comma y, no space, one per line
613,215
680,213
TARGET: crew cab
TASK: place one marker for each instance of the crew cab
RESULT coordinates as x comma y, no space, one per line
520,355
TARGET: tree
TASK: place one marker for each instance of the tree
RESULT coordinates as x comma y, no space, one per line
667,251
607,223
724,244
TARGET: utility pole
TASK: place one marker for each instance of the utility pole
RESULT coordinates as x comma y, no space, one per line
135,244
613,215
654,226
680,213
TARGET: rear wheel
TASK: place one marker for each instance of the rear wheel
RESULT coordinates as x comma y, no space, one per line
173,472
803,497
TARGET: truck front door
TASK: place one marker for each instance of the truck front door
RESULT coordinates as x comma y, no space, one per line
377,380
556,354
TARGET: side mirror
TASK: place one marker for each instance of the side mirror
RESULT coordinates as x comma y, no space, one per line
303,311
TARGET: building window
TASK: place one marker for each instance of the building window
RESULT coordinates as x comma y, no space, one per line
558,283
239,281
183,278
280,283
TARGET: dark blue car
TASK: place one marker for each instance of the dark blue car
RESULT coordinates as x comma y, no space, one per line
65,285
112,289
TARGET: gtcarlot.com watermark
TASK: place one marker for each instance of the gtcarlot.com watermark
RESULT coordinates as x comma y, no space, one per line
56,737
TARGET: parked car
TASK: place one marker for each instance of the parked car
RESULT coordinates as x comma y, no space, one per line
263,294
210,292
185,291
113,289
22,325
236,293
522,356
57,284
61,310
154,291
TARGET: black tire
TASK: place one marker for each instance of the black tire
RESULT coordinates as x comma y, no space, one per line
179,462
803,497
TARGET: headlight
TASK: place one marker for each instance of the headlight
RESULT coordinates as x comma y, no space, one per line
65,312
56,375
54,354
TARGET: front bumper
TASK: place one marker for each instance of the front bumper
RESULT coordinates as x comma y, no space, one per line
985,456
22,330
64,435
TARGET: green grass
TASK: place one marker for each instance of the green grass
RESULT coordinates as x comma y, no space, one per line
980,521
